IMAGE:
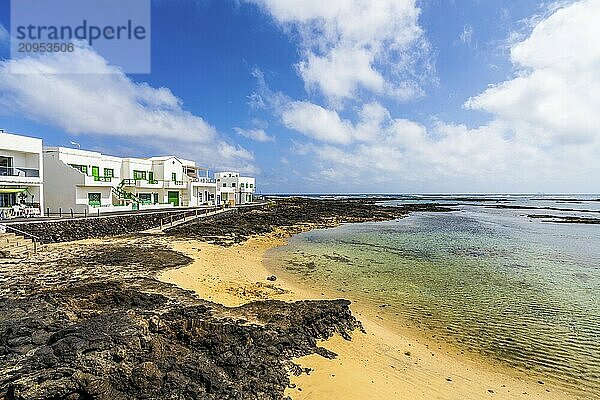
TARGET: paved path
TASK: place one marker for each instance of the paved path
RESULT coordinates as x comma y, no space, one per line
168,223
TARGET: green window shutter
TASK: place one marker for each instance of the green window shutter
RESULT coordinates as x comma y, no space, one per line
95,171
94,199
174,176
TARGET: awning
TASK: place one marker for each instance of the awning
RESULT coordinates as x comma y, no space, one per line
12,190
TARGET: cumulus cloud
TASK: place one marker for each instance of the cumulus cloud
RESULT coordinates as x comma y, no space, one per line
355,44
542,133
256,134
556,93
326,125
101,100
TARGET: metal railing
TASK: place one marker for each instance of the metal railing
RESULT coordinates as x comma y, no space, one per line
204,180
33,238
20,171
103,178
169,221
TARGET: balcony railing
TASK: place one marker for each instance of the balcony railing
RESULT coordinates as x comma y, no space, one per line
204,180
102,178
20,171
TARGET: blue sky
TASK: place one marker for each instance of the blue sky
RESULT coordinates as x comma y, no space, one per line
310,97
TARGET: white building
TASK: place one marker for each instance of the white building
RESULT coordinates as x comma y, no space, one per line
78,179
21,172
234,189
88,181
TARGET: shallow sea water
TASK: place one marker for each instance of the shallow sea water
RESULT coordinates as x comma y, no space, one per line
490,281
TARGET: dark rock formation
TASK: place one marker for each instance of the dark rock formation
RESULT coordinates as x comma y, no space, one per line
291,214
91,323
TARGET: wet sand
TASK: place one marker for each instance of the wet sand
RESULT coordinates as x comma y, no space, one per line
383,363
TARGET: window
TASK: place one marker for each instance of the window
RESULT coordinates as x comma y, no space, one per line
251,185
233,184
94,199
6,166
138,175
109,172
242,185
145,198
80,168
174,176
224,184
8,199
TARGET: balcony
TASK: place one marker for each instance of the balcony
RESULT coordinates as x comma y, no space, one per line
148,183
98,180
142,183
204,181
174,184
19,174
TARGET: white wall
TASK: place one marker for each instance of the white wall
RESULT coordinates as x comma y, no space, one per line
26,153
137,164
61,181
89,159
233,188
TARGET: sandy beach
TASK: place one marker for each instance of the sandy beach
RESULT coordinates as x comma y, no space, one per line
383,363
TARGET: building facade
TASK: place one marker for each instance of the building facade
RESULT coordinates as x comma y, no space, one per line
34,179
234,189
21,175
88,181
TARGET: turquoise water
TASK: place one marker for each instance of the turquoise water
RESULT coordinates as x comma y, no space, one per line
491,281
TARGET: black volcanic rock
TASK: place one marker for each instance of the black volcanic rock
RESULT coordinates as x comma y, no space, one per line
91,322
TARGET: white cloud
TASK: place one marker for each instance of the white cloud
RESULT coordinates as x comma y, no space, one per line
102,100
542,136
327,126
316,122
256,134
555,97
350,45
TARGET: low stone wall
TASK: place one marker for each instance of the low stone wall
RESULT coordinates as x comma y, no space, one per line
93,227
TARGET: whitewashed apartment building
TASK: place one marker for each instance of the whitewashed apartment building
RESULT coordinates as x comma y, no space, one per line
88,181
21,175
235,189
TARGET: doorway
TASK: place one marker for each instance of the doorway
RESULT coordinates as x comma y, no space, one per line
173,198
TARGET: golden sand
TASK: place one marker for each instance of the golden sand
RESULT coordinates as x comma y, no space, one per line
384,363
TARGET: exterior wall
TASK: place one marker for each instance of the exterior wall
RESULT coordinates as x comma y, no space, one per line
69,188
89,159
27,170
134,164
82,195
61,181
235,189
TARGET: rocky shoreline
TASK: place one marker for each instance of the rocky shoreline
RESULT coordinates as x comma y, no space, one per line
89,320
293,215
